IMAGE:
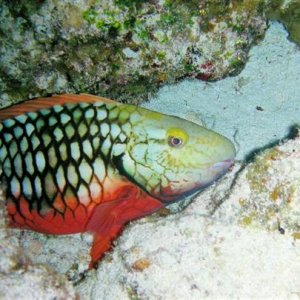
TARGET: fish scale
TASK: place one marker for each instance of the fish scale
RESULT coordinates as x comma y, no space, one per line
45,148
89,164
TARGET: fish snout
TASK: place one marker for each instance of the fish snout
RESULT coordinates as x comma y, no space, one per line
183,186
220,168
223,165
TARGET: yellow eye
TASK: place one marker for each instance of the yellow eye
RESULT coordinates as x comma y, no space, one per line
177,137
175,142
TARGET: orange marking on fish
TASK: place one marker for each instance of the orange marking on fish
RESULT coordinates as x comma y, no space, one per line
29,223
55,223
59,204
85,200
71,202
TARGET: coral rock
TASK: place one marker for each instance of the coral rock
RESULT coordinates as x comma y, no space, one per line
121,49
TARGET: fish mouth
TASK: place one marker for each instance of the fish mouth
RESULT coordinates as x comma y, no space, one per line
224,165
220,168
217,169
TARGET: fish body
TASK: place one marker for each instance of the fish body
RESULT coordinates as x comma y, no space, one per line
81,163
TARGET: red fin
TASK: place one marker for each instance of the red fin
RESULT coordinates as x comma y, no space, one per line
104,226
109,218
41,103
102,241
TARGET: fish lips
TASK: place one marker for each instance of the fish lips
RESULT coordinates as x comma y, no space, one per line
217,170
220,168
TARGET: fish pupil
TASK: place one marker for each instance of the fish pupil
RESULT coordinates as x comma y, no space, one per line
175,141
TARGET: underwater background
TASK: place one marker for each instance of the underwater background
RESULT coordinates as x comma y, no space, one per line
233,66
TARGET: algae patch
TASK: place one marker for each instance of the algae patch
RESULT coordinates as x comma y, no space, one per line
272,182
288,13
124,50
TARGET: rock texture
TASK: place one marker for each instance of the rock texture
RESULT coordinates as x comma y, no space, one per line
239,238
288,13
255,108
20,278
266,194
241,242
121,49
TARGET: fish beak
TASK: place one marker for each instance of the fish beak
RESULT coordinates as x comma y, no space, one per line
225,164
220,168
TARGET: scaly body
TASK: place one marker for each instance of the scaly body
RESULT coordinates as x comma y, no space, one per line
91,165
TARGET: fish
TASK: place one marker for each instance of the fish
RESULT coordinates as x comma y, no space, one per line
79,163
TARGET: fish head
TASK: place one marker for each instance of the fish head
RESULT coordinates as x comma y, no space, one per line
170,157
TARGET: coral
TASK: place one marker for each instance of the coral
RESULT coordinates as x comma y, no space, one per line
121,49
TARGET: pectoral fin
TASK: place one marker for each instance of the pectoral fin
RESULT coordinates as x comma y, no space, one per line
109,218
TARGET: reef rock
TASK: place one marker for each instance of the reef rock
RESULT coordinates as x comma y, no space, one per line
239,238
121,49
266,194
288,13
20,278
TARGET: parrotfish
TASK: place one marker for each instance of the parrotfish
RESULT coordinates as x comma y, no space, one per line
82,163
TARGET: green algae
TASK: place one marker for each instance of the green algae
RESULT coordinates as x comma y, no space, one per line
289,15
248,219
258,170
272,199
132,294
85,51
119,48
296,235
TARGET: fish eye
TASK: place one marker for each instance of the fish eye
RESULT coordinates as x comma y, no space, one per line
175,142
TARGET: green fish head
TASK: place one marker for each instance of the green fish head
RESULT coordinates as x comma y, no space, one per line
170,157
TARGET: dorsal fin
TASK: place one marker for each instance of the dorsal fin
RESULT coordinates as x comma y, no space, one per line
41,103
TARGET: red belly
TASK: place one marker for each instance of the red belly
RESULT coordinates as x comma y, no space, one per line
104,220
